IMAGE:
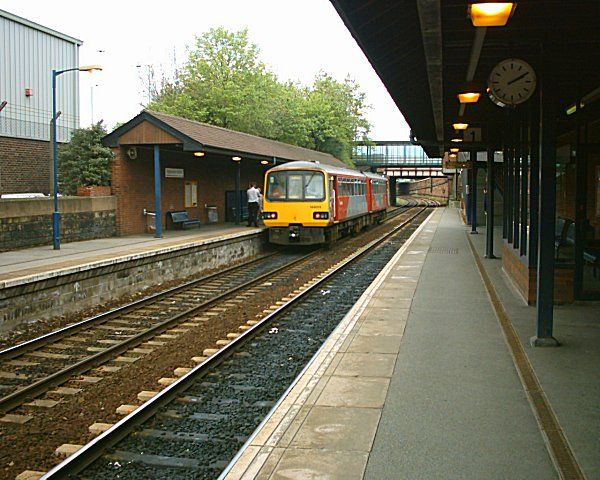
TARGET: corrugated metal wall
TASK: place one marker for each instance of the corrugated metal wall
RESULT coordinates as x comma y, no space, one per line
27,58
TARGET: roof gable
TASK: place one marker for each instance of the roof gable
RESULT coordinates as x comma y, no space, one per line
196,136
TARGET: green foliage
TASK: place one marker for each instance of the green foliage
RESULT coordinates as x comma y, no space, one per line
224,83
84,161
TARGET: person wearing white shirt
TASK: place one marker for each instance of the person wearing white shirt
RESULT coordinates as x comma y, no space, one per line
253,203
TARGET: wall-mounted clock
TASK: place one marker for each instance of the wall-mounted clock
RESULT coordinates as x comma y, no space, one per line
511,82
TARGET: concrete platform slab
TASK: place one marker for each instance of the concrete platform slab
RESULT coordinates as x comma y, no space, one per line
454,406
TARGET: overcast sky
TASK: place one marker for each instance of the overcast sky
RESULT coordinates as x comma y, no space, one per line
297,38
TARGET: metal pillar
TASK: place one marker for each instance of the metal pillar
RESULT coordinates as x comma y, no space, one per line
55,214
534,181
393,192
524,179
517,160
157,196
547,211
238,194
474,192
491,186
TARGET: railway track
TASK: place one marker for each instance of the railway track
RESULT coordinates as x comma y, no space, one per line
193,428
32,368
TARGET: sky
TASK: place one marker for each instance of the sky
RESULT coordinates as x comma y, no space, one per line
296,38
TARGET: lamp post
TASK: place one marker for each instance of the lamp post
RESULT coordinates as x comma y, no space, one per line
56,214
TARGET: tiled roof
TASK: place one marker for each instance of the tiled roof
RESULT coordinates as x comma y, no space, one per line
222,138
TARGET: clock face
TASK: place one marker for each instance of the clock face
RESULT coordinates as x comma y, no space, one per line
511,82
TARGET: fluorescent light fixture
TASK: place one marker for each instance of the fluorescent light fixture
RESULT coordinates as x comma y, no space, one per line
460,126
491,14
199,154
454,150
468,97
571,110
236,159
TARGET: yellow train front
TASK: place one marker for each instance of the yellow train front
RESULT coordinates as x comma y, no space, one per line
309,203
296,203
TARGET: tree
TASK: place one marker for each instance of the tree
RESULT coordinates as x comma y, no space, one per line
84,161
224,83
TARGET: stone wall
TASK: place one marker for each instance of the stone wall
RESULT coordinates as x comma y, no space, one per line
28,222
71,290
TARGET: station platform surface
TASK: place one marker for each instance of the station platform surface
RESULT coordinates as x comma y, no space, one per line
419,380
38,262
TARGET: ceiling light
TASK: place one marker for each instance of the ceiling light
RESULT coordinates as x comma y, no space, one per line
264,162
452,155
468,97
460,126
199,154
491,14
454,150
456,140
236,159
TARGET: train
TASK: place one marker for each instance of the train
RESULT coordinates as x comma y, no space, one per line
310,203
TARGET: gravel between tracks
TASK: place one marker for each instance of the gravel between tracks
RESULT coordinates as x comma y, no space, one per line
31,446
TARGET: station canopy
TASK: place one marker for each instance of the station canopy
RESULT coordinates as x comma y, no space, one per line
150,128
426,51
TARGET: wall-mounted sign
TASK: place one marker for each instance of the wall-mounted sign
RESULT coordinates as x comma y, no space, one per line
173,172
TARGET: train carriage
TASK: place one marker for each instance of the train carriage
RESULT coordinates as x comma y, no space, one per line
310,203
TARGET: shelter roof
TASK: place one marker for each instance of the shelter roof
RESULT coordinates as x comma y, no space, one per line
196,136
425,51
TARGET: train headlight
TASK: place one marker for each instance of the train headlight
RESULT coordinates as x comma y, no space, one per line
269,215
320,215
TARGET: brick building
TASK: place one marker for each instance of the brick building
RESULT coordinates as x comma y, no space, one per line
29,53
199,167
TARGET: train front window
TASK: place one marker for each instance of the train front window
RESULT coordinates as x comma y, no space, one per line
295,186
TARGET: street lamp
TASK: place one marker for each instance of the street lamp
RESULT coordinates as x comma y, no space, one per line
55,214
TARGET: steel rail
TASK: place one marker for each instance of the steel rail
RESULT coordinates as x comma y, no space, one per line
38,342
33,390
86,455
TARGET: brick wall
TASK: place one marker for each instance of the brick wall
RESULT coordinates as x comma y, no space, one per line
525,278
24,165
133,184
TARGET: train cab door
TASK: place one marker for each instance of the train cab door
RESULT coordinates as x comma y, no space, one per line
332,201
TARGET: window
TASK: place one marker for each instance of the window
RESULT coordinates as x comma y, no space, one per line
295,185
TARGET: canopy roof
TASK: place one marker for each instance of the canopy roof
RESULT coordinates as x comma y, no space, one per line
197,136
424,51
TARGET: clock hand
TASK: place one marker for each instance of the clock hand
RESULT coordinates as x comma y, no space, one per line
518,78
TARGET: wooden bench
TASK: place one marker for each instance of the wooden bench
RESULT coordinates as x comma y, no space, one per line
182,220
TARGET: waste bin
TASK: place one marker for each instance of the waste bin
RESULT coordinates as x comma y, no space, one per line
213,214
150,222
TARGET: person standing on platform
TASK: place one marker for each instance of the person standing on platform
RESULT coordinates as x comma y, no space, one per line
253,201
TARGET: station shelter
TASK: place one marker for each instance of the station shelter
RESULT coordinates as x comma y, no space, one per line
511,92
169,170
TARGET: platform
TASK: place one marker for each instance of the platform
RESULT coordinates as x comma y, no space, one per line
419,382
39,283
43,260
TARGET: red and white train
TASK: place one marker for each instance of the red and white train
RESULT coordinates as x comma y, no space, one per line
311,203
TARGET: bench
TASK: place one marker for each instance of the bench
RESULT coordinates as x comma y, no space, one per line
182,220
564,232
